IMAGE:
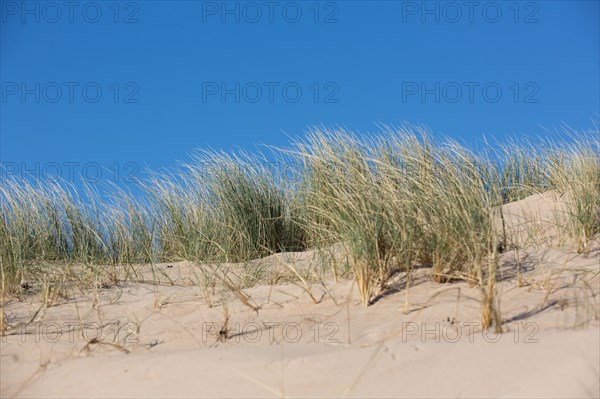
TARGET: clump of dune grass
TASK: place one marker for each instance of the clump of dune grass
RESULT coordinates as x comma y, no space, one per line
570,167
398,200
340,204
575,173
48,223
225,207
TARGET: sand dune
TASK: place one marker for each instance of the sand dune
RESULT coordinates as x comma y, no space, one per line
168,340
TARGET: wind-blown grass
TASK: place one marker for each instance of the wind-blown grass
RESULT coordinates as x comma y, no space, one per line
225,208
397,201
392,201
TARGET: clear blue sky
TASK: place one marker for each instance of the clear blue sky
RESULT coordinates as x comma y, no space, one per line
161,68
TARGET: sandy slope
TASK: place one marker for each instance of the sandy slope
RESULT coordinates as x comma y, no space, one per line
425,342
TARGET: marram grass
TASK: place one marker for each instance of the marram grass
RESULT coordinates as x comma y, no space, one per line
392,201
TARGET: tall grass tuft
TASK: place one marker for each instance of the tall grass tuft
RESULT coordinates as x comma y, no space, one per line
225,208
396,200
575,173
50,222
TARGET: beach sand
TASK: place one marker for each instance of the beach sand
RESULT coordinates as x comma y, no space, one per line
146,340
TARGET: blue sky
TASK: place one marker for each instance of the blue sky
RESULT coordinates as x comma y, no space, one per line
143,83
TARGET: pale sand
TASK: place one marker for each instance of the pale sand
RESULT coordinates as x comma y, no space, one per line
344,349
